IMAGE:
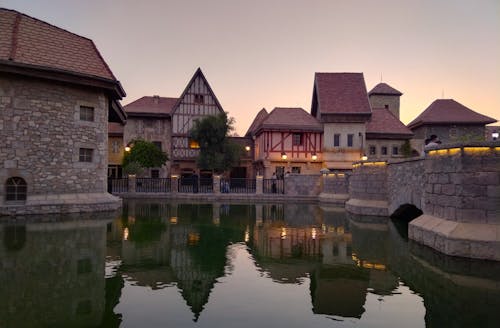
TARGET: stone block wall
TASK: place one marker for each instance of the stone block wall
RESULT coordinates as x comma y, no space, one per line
369,182
406,181
463,185
336,183
41,133
302,185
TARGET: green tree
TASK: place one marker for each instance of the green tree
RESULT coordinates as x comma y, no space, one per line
406,149
218,153
143,154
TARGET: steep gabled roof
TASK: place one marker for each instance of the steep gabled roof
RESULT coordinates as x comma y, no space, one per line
384,89
289,119
261,115
28,41
384,125
340,93
449,111
200,74
154,105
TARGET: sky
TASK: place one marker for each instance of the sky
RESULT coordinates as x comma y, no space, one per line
258,54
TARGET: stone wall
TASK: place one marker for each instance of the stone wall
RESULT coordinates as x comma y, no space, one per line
302,185
42,134
406,181
380,101
451,133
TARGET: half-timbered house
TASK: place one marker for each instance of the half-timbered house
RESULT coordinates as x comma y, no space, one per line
286,140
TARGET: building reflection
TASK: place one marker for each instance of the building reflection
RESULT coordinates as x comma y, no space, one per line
52,270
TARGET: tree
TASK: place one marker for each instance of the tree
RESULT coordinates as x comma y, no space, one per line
218,153
143,154
406,149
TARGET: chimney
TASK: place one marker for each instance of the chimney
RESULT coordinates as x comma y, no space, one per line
156,99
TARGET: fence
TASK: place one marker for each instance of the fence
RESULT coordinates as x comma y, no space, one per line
152,185
244,186
273,186
190,185
117,185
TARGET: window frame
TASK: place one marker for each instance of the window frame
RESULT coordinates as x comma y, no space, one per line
395,150
85,155
384,150
374,148
199,99
336,139
350,140
296,142
87,113
19,187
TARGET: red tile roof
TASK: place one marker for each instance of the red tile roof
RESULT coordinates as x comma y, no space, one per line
384,123
289,119
449,111
341,93
151,105
384,89
28,41
261,115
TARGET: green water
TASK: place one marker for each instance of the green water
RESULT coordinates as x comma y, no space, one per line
164,264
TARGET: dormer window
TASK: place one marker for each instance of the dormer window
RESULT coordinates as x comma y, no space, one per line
198,99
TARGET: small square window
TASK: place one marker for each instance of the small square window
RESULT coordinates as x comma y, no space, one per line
198,99
383,150
87,113
297,139
155,174
395,150
85,155
336,140
373,150
296,169
350,140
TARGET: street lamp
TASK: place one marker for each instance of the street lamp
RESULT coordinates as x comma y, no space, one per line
494,135
247,148
283,156
364,157
314,156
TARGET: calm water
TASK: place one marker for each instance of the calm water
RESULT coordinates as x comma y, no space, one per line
161,264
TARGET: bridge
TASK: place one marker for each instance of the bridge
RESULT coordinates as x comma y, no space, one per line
456,187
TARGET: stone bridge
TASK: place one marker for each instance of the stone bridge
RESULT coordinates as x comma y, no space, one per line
457,188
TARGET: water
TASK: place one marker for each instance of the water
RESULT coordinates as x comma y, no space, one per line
163,264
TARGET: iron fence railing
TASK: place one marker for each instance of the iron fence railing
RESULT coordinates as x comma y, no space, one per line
273,186
117,185
194,185
238,185
152,185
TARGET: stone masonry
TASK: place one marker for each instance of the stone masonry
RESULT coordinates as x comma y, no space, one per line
41,135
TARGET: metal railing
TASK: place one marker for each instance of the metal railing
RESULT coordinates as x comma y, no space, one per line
152,185
238,185
273,186
117,185
190,185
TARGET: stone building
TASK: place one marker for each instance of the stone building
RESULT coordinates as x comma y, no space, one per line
340,102
116,150
450,121
286,140
385,133
57,96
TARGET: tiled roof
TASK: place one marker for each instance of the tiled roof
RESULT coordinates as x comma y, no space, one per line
290,119
384,89
115,128
261,115
151,105
449,111
28,41
383,122
342,93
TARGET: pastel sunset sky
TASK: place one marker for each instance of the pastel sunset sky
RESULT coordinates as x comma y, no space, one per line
264,53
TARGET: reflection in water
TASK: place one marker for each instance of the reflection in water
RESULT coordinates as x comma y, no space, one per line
210,265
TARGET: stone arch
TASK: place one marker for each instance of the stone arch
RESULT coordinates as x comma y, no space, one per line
406,212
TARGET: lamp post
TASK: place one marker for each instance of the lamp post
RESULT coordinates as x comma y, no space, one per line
494,135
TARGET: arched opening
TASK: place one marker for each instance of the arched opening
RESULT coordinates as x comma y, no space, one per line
402,216
16,189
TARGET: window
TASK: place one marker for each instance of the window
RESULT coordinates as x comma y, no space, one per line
155,174
295,169
336,140
85,155
157,144
87,113
386,106
115,146
297,139
15,189
198,99
383,150
395,150
193,144
350,140
372,150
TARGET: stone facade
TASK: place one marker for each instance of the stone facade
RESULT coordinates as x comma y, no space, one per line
386,101
406,181
303,185
451,133
42,134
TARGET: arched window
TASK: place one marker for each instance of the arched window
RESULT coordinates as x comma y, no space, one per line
15,189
